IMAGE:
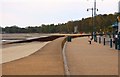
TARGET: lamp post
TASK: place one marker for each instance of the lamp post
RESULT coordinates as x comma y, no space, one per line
94,21
95,9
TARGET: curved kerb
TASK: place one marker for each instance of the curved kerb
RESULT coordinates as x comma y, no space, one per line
66,68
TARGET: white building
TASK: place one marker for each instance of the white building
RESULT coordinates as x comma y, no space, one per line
75,29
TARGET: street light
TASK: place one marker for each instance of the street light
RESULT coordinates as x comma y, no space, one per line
94,19
95,9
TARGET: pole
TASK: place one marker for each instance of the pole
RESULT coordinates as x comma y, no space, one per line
95,21
94,7
92,23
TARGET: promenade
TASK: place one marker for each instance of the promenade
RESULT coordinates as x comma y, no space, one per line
94,59
82,59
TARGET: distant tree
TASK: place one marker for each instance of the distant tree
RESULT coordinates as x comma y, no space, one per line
102,23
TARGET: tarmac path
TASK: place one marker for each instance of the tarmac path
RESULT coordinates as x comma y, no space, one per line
94,59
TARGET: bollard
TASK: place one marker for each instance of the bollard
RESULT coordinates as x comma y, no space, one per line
96,38
116,43
110,42
104,41
99,40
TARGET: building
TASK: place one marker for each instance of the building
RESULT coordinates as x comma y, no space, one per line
76,29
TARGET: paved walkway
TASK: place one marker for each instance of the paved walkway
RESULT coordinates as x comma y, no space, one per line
46,61
94,59
83,59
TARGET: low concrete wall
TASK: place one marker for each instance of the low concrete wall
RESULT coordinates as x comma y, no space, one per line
41,39
49,38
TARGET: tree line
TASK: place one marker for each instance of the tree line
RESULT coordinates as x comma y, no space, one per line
102,23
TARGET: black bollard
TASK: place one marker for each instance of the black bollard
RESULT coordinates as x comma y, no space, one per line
116,43
119,44
104,41
99,40
95,37
110,42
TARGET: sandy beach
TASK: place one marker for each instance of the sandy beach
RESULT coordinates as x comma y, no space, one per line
21,36
18,51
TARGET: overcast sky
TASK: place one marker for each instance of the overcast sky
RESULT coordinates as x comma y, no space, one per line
36,12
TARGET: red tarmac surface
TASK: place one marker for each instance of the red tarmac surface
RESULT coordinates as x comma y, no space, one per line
94,59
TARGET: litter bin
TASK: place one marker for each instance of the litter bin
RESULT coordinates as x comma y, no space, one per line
69,38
